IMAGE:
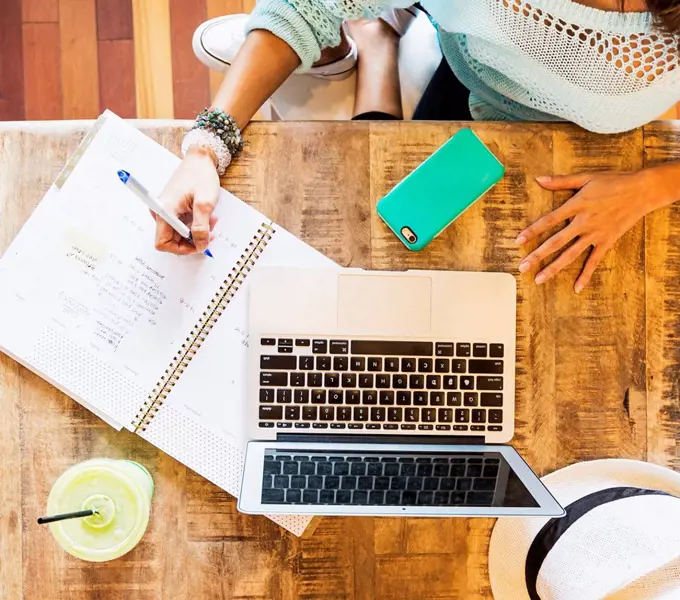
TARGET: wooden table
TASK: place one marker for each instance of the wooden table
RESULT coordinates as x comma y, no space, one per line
597,374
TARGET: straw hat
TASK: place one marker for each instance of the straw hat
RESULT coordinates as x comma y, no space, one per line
620,539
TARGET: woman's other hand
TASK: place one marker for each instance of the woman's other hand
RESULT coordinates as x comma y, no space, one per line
191,194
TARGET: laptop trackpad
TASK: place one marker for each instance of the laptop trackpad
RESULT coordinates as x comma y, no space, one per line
383,304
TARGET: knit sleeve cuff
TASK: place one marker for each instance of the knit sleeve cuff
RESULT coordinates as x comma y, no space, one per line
286,23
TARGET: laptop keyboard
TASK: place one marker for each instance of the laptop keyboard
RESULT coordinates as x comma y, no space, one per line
342,384
375,479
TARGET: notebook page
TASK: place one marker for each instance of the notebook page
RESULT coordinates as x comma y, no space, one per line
86,300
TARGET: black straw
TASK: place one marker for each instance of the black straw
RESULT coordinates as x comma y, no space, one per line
74,515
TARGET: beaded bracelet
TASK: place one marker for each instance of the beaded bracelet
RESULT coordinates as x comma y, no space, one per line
218,131
201,137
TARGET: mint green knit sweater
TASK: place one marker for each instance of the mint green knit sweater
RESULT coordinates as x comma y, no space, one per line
547,60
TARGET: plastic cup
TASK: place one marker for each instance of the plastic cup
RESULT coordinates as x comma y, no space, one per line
120,491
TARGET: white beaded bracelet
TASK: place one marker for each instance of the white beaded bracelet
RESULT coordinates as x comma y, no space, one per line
202,137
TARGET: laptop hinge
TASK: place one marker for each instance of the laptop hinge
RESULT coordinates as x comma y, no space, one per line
314,438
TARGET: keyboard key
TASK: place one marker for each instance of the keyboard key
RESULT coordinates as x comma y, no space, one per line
470,399
390,348
302,342
349,380
414,483
447,483
359,468
442,365
331,380
463,484
309,413
340,363
319,347
496,351
391,364
307,468
271,412
375,469
480,351
361,413
378,413
391,469
266,395
479,415
278,362
268,341
441,470
284,396
458,365
348,483
376,497
279,379
366,380
297,482
409,497
463,350
292,413
335,396
462,415
408,365
451,382
323,363
416,382
460,427
425,427
283,425
294,495
399,381
467,383
474,471
436,398
490,471
441,498
314,379
319,425
272,467
453,399
485,366
360,497
341,468
382,381
352,397
434,382
480,498
301,396
369,397
428,415
426,498
425,365
424,471
420,398
399,483
272,496
327,497
285,341
392,498
297,379
394,414
318,396
306,363
344,413
310,496
412,414
339,347
445,415
289,468
302,425
386,397
265,424
327,413
358,363
375,364
489,383
285,349
443,349
314,482
491,400
495,416
332,482
403,398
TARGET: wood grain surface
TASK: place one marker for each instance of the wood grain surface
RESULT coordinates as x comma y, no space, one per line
597,374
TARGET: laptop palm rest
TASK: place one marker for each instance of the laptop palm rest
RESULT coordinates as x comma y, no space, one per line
384,305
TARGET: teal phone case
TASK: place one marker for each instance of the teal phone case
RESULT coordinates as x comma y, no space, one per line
440,189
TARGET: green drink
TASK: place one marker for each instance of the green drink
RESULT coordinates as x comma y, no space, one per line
119,490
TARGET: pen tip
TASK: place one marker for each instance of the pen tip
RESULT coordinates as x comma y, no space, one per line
208,253
123,176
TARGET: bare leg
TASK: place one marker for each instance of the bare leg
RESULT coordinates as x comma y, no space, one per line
378,88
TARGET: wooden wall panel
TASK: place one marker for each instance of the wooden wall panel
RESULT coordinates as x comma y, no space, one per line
40,11
42,69
79,65
191,89
114,19
11,62
117,77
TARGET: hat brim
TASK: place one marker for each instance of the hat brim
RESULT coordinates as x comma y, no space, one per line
512,536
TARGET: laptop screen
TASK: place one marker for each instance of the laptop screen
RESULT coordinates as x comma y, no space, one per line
392,478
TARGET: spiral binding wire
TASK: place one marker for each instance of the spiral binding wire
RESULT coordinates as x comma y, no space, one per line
201,329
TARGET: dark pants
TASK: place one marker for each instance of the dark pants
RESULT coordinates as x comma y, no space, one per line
445,99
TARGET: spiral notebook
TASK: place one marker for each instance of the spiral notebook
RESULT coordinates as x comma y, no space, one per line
149,341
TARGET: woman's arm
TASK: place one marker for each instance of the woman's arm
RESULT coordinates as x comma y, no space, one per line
606,205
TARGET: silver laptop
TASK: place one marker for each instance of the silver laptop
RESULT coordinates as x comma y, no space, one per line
384,393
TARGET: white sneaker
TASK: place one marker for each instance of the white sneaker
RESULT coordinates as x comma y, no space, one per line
217,42
399,19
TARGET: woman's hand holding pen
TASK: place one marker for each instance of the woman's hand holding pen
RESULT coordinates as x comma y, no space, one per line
191,194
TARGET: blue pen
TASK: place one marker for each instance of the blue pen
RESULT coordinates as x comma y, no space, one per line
155,205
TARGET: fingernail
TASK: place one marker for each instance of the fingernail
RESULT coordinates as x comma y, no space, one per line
578,288
543,179
524,266
540,278
520,240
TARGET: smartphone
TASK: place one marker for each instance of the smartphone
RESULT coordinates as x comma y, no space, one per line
423,204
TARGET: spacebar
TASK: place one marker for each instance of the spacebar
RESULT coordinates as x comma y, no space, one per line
389,348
